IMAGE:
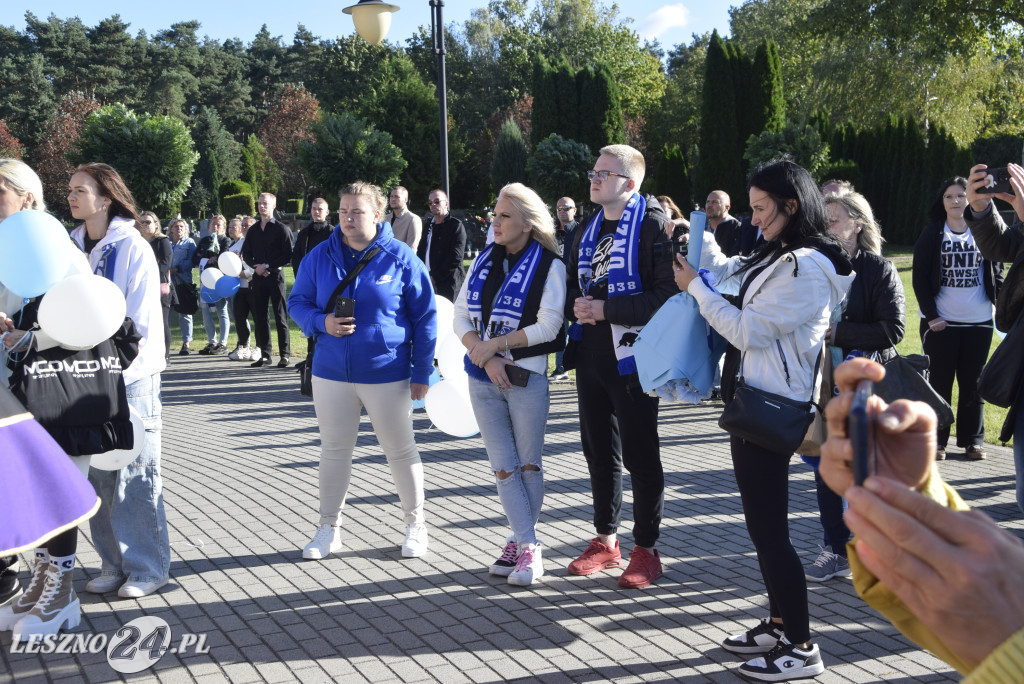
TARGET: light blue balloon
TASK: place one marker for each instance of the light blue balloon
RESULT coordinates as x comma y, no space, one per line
35,252
207,295
226,286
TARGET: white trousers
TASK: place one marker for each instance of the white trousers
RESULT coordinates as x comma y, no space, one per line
389,406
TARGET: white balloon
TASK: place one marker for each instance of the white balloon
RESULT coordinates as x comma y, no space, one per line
119,458
445,318
210,277
450,354
450,411
229,264
81,311
79,263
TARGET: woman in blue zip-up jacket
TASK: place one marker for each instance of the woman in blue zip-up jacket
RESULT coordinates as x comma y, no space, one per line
380,358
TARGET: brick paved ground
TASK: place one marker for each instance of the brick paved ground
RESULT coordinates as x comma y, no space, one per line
240,473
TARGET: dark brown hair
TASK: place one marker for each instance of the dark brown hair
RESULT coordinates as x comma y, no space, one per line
112,186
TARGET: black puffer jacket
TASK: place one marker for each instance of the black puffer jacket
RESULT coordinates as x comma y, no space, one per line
874,318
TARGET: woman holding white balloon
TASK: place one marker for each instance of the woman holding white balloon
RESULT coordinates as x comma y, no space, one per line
374,349
207,253
130,530
509,317
84,413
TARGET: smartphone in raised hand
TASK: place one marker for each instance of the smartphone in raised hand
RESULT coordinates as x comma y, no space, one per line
861,428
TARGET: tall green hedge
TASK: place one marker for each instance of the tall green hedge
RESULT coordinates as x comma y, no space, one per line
241,204
899,170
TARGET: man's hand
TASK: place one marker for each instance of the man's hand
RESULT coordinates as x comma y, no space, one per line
261,270
957,571
904,440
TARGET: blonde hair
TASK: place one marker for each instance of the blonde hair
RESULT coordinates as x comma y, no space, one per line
22,180
368,190
857,208
213,219
632,162
156,221
534,213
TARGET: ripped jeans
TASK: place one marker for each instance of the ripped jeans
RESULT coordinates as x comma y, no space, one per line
512,425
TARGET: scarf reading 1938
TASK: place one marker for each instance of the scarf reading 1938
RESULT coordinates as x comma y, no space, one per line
623,273
507,311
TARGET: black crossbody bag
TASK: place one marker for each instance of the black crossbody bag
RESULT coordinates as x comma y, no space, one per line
306,378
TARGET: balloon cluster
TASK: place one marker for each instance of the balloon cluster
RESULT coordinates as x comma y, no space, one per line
447,402
78,310
223,282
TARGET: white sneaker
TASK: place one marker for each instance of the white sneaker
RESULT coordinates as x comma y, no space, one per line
106,582
784,663
529,566
239,354
415,541
139,589
326,541
254,353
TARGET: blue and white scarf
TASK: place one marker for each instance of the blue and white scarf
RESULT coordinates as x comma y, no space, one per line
623,273
507,311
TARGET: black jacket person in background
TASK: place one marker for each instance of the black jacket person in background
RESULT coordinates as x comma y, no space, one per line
267,249
442,247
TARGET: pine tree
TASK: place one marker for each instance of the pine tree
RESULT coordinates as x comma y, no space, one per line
600,108
544,118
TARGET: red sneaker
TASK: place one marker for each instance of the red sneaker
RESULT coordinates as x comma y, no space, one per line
597,557
644,567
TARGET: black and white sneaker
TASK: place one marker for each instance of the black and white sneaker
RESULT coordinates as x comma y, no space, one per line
760,639
784,663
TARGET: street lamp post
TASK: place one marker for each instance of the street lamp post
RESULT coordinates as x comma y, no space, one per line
373,19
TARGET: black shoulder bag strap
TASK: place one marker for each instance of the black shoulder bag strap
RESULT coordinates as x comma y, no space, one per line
349,277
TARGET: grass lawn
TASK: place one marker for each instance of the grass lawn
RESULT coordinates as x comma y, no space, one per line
911,344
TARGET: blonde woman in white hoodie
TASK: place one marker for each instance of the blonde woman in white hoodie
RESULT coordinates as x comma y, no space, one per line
131,515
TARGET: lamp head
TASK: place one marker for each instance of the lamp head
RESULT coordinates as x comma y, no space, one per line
372,19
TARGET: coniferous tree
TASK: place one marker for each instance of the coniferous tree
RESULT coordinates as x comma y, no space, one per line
544,116
600,108
720,165
509,165
671,178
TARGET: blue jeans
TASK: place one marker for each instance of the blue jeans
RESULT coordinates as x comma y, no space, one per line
512,426
130,528
221,307
831,507
1018,455
185,323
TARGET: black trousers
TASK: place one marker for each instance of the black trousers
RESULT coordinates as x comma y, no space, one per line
241,307
763,480
167,327
961,351
270,290
619,427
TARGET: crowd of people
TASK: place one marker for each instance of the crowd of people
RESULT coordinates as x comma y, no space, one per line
799,284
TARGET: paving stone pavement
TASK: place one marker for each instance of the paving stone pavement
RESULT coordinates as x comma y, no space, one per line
240,453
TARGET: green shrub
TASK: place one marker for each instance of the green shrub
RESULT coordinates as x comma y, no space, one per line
235,187
241,203
293,205
842,169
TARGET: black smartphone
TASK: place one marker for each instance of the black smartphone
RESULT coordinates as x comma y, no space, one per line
517,375
345,307
998,181
861,426
681,248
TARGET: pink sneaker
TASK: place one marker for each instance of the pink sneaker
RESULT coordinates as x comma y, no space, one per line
644,567
598,556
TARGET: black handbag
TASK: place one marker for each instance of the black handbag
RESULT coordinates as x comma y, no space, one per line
769,420
306,376
1000,379
906,377
187,296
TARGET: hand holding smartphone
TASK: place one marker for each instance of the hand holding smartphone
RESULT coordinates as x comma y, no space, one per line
998,182
861,428
345,307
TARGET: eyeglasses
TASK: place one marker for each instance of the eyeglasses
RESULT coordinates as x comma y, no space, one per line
566,208
962,196
437,201
603,174
146,222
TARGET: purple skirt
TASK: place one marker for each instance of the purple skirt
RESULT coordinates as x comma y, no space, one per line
42,493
